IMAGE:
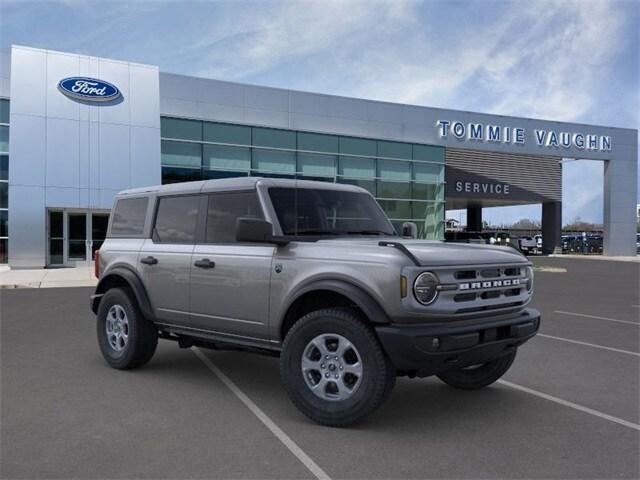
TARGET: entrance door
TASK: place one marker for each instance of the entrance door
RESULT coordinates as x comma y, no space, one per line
56,238
99,223
74,236
77,237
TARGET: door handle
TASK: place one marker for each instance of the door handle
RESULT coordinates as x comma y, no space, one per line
149,260
204,263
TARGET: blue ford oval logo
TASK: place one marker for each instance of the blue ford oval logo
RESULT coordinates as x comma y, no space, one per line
90,89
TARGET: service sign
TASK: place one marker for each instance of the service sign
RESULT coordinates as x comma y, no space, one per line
88,89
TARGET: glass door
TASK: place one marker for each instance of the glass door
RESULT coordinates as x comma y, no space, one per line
77,235
56,238
99,223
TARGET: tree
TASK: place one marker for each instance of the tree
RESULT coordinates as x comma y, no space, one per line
526,224
578,225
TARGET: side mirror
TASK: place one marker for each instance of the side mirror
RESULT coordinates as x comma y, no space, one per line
256,230
410,230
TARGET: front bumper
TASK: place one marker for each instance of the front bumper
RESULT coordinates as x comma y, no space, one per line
428,349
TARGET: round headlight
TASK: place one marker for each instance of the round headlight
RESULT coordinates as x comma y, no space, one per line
425,288
529,274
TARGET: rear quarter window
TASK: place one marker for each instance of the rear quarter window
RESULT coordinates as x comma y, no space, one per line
128,217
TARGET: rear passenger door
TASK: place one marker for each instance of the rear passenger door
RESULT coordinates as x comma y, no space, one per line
230,280
165,259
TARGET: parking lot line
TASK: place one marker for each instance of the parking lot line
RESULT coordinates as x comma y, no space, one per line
594,345
596,317
575,406
257,411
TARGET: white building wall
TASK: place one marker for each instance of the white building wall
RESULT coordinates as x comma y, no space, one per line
70,154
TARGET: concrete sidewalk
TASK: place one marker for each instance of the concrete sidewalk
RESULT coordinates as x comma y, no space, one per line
48,278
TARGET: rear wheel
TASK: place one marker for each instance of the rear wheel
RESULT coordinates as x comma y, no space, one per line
479,376
334,368
127,339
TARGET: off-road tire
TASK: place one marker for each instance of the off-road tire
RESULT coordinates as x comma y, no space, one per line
142,334
479,377
378,377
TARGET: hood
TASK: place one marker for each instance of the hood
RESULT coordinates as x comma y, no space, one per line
436,253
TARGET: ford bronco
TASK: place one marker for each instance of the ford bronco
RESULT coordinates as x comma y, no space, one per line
314,273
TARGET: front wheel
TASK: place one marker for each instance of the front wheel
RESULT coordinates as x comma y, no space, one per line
479,376
334,368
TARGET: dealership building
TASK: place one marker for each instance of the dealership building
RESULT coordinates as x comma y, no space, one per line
76,129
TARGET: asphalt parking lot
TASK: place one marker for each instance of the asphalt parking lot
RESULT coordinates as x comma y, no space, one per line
569,407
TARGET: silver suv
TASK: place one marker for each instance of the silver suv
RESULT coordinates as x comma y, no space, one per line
315,273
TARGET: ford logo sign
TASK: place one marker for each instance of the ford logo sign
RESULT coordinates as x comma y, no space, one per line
89,89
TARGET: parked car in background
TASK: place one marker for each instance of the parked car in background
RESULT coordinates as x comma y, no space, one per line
538,243
585,244
500,238
464,237
527,245
638,243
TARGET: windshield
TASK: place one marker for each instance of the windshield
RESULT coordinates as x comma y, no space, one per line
306,211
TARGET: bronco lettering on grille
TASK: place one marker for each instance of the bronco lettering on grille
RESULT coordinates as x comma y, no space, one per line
489,284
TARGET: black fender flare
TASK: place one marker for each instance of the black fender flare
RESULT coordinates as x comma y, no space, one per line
362,299
132,279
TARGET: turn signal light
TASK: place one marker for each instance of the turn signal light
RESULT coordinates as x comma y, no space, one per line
403,287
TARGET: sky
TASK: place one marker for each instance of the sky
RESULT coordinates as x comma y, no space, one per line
575,61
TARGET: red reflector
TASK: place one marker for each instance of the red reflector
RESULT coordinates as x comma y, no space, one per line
96,263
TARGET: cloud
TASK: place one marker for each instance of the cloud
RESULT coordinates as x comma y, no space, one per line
571,60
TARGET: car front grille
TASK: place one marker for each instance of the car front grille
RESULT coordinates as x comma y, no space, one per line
478,289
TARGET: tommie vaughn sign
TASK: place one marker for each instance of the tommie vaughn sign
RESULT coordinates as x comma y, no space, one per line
88,89
477,132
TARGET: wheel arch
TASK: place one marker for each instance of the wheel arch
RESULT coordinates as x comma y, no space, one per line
330,293
123,276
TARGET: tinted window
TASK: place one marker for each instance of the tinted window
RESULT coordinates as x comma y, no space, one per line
4,195
4,223
306,211
224,209
176,219
128,217
4,167
4,111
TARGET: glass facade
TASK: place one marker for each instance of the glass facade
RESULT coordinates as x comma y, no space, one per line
407,179
4,180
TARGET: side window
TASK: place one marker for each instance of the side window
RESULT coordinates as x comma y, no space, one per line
224,209
128,217
176,219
